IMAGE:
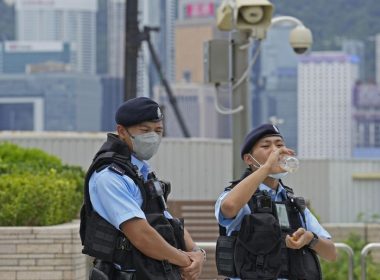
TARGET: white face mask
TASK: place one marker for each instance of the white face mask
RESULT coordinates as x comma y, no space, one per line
276,176
145,145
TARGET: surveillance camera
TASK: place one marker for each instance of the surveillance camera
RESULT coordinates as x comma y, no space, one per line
254,16
224,17
300,39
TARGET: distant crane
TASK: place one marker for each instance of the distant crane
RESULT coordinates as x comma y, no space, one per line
133,39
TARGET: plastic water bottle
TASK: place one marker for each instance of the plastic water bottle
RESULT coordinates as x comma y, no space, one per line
289,163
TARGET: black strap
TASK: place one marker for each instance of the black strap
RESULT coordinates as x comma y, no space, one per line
119,164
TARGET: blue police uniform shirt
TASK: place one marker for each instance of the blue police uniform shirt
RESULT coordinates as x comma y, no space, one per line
117,198
234,224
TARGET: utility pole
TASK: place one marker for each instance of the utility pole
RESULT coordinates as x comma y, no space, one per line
241,121
133,39
132,46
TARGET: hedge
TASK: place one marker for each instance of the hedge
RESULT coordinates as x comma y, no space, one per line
36,189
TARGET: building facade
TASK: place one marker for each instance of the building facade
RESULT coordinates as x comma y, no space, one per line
366,102
194,26
61,20
50,102
196,104
325,85
377,58
16,56
274,84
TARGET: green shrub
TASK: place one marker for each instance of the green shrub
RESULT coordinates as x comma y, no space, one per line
36,189
15,159
339,270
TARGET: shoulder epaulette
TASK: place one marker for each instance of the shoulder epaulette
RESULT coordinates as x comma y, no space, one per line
117,169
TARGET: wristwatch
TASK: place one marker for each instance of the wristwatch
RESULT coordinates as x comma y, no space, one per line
314,241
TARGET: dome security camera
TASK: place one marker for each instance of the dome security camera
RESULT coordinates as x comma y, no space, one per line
300,39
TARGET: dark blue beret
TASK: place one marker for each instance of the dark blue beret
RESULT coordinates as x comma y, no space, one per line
264,130
138,110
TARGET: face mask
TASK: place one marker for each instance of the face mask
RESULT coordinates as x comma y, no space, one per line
145,145
276,176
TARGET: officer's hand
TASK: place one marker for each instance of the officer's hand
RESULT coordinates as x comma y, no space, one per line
274,158
193,271
299,238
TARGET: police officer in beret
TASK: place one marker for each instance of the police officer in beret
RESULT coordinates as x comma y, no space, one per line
266,231
125,224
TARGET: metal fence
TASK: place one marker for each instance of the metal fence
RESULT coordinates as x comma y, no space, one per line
363,261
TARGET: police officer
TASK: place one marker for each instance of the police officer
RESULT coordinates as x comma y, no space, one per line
125,224
283,251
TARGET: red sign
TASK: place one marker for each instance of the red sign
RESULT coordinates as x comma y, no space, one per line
200,10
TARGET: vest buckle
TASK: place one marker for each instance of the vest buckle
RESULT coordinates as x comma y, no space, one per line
260,262
124,244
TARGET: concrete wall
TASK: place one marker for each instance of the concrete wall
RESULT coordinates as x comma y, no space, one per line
199,169
53,252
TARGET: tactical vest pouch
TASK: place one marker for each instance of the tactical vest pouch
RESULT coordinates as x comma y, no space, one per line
179,232
258,247
224,255
102,240
304,264
151,269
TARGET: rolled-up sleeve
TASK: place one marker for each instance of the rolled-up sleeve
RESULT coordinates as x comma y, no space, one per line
230,224
116,198
313,225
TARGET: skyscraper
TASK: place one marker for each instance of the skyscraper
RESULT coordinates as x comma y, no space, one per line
366,102
61,20
17,56
196,103
195,25
377,58
274,84
325,85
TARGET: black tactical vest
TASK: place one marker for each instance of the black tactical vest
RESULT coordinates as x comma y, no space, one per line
258,250
104,242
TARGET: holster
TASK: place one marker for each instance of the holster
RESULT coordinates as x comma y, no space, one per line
102,270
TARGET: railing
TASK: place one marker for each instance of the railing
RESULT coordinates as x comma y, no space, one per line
210,246
363,256
350,253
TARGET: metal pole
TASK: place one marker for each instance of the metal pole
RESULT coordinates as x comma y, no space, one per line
172,99
132,46
241,122
350,253
363,256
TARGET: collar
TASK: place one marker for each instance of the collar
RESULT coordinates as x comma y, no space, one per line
281,192
142,166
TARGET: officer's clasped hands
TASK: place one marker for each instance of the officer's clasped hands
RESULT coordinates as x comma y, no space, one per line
194,270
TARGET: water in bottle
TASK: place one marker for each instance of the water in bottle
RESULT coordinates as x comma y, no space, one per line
289,163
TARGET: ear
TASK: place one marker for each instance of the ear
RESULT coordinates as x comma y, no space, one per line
121,131
247,159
